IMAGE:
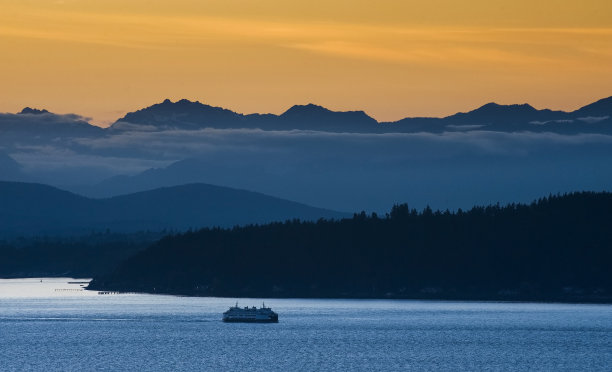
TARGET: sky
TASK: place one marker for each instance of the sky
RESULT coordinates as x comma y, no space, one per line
393,59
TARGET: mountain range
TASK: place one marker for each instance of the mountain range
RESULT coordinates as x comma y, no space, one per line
187,115
35,209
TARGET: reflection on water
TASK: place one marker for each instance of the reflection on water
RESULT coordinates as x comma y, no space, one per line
44,287
47,330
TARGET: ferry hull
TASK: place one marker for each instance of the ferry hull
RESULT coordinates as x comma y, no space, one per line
250,320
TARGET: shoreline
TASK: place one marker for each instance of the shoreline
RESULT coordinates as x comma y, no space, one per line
551,300
413,297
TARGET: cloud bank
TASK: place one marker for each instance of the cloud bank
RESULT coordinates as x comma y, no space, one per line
350,171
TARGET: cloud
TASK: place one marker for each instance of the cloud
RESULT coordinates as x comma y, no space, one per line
131,127
398,43
48,117
594,119
465,127
178,144
563,121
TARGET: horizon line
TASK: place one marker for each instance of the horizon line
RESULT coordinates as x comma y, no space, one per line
107,124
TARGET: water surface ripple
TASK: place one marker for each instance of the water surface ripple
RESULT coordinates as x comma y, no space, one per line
86,331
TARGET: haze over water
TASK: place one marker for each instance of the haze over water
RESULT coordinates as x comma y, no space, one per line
44,329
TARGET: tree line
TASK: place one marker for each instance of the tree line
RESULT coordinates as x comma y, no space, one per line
82,256
556,248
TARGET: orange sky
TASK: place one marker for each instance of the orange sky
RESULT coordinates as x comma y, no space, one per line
102,58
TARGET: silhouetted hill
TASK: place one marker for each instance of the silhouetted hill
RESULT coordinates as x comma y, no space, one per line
314,117
601,108
556,249
179,173
34,209
182,114
493,113
192,170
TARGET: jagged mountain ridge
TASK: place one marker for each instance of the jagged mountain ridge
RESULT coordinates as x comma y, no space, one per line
185,114
193,115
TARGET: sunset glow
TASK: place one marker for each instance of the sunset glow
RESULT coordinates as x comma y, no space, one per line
392,59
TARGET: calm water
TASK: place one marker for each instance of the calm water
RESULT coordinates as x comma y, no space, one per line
45,329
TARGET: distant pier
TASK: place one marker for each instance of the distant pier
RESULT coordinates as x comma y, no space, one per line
99,292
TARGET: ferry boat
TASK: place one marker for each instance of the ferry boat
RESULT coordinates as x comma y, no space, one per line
250,315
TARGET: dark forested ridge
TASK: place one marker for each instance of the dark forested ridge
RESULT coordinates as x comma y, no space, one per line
78,256
558,248
30,209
